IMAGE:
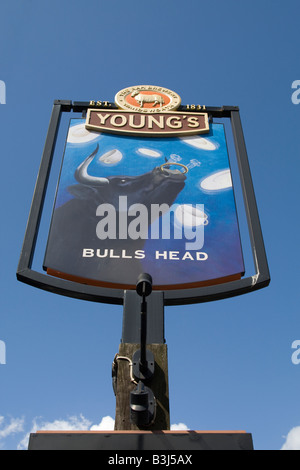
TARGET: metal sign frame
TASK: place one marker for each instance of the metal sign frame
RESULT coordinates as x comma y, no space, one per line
26,274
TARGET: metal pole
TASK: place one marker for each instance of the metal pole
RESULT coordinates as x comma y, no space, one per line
143,360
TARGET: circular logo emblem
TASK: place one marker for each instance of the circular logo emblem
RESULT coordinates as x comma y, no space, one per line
147,99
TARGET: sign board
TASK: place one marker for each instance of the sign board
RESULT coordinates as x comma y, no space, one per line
145,186
127,205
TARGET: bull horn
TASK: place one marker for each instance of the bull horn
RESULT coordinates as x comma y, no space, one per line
82,175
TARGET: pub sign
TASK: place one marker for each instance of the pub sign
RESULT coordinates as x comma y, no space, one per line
144,191
145,185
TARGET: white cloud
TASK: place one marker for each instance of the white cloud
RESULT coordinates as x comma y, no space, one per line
15,425
106,424
179,427
292,441
73,423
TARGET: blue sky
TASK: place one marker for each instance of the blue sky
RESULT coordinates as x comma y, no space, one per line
230,361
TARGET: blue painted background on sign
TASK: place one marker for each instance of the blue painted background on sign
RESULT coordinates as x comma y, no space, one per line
208,183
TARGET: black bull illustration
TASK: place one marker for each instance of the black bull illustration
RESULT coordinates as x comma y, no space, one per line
73,226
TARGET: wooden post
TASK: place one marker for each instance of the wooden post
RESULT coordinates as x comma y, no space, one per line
158,384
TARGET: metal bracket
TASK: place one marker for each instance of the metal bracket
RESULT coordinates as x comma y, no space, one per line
142,405
143,371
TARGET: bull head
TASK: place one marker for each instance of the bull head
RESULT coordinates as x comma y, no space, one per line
162,184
